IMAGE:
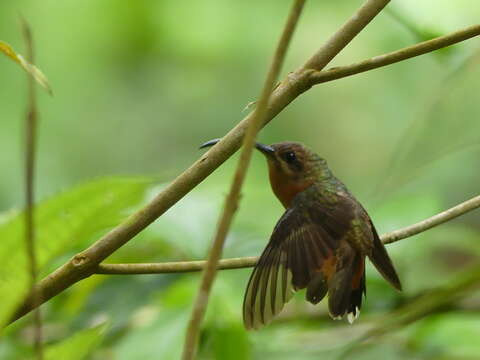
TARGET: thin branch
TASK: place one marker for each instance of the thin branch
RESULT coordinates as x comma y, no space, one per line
318,77
433,221
246,262
30,156
173,267
232,200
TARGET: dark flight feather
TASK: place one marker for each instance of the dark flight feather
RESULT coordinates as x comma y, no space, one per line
296,253
358,287
379,257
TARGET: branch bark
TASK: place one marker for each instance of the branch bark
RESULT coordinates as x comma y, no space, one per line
246,262
233,198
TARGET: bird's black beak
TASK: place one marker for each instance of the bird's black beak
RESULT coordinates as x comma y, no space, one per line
264,149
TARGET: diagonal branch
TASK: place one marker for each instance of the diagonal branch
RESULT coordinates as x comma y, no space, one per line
84,264
233,198
318,77
246,262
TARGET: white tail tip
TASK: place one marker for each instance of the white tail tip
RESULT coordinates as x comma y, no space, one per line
351,318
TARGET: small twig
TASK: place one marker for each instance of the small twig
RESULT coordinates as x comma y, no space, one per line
30,155
173,267
319,77
433,221
232,200
245,262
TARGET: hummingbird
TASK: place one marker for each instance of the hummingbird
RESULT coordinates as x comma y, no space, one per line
319,244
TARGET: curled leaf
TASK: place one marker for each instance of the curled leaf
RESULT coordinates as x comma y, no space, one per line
31,69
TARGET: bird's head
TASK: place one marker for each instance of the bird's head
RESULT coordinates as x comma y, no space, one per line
292,168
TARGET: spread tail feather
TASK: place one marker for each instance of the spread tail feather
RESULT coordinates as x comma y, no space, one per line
346,290
358,291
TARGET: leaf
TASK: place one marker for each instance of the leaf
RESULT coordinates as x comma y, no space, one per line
63,223
78,346
31,69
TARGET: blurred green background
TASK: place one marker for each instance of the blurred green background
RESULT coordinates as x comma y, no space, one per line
138,85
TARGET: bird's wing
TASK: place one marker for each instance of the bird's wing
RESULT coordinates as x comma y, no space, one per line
379,257
364,237
301,249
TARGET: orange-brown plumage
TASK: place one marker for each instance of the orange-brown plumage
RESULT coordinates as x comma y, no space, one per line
328,267
285,181
358,274
283,187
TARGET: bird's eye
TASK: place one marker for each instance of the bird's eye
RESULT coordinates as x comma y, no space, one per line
289,157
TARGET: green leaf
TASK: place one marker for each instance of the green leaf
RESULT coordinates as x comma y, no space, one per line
78,346
63,223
